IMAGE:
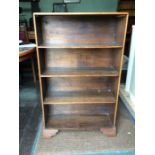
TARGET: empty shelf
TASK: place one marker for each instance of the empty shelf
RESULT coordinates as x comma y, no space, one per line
80,72
86,122
81,45
81,97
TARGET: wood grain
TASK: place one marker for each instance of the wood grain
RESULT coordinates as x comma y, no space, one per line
79,31
109,131
74,122
48,133
89,97
80,57
79,109
80,72
76,46
69,84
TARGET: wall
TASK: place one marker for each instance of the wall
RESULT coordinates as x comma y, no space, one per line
83,6
132,86
26,10
130,81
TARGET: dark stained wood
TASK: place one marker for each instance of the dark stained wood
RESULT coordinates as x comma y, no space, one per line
89,30
49,133
84,28
109,131
80,57
80,72
25,57
83,122
83,46
70,84
78,116
84,62
120,29
79,109
79,97
26,51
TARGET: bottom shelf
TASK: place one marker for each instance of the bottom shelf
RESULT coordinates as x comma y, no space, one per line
76,122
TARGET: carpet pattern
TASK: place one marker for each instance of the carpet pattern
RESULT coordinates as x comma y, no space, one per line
71,142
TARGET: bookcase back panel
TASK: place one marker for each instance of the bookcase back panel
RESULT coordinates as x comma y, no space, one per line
80,84
84,109
70,58
80,30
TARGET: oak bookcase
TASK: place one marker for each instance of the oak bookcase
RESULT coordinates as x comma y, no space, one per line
79,61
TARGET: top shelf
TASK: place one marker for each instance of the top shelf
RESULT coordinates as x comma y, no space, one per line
81,13
86,31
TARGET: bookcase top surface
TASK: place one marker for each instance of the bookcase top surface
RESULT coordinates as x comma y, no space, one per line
80,13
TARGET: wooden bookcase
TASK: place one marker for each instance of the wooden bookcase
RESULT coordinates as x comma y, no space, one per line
79,60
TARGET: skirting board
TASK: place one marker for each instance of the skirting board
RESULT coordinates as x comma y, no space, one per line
106,153
38,134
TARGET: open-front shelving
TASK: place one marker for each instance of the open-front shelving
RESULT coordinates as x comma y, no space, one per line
79,62
87,30
77,116
79,90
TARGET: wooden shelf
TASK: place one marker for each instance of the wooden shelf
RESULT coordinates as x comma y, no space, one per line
80,72
82,97
84,122
81,45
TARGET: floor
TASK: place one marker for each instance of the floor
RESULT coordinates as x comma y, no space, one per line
66,143
29,116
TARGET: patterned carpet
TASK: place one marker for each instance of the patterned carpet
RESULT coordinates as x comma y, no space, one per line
73,142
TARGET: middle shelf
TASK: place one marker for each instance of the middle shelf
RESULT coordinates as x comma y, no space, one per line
79,62
80,97
79,72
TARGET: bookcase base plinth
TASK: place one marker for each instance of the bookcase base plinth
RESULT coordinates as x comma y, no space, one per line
48,133
109,131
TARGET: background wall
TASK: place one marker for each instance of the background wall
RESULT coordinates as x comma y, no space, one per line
83,6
